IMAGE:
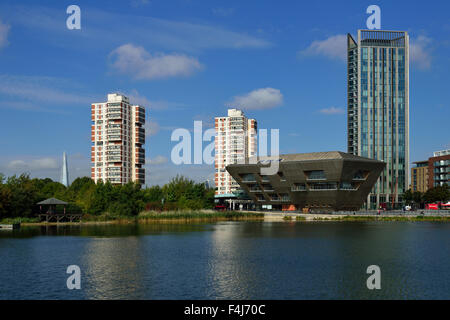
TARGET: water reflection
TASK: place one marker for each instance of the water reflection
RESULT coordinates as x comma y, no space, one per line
230,274
228,260
102,230
113,268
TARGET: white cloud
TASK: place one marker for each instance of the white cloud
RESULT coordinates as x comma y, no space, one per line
332,110
42,89
167,171
334,47
420,52
137,98
104,31
44,163
151,128
136,61
45,166
35,164
157,160
4,30
264,98
17,164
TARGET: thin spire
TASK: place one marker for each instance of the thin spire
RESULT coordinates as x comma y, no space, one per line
65,172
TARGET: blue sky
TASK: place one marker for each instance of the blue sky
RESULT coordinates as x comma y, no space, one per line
187,60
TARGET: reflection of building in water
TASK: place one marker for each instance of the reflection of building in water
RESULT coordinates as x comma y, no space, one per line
230,270
113,268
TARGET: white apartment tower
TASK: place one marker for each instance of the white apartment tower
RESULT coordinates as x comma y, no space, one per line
118,136
235,140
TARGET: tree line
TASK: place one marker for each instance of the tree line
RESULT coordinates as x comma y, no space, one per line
19,195
436,194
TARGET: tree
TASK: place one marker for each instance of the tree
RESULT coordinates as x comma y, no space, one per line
153,194
127,200
408,196
19,195
439,193
417,197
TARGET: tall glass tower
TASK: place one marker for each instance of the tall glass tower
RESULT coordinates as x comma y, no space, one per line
378,108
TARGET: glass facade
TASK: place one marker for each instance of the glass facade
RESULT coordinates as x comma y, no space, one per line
378,107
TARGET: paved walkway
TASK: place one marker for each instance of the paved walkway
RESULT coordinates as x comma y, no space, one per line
279,215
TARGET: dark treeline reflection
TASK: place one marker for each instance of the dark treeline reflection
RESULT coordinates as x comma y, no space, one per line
103,230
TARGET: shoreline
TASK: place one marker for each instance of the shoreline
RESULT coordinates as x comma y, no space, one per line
151,218
141,221
354,217
255,218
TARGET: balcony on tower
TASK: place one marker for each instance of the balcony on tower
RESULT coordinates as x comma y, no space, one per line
140,135
139,114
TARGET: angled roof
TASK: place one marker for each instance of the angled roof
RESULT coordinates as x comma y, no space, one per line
328,155
52,201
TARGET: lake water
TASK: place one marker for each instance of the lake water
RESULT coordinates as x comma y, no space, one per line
228,260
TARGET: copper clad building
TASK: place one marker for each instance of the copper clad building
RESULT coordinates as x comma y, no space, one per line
321,180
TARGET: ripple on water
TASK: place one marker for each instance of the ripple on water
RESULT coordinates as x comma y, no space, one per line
229,260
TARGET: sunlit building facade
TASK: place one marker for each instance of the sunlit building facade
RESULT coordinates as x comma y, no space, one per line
439,169
419,176
235,141
323,181
378,108
118,137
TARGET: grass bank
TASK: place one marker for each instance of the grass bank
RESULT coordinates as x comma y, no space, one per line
206,215
19,220
153,217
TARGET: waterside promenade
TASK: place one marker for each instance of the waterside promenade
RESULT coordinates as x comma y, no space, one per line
285,215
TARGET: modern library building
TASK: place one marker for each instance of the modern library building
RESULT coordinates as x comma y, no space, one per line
326,181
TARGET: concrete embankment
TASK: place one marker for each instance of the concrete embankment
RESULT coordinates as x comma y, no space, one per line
358,216
281,216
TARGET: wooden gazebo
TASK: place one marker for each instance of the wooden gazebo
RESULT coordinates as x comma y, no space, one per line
51,215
